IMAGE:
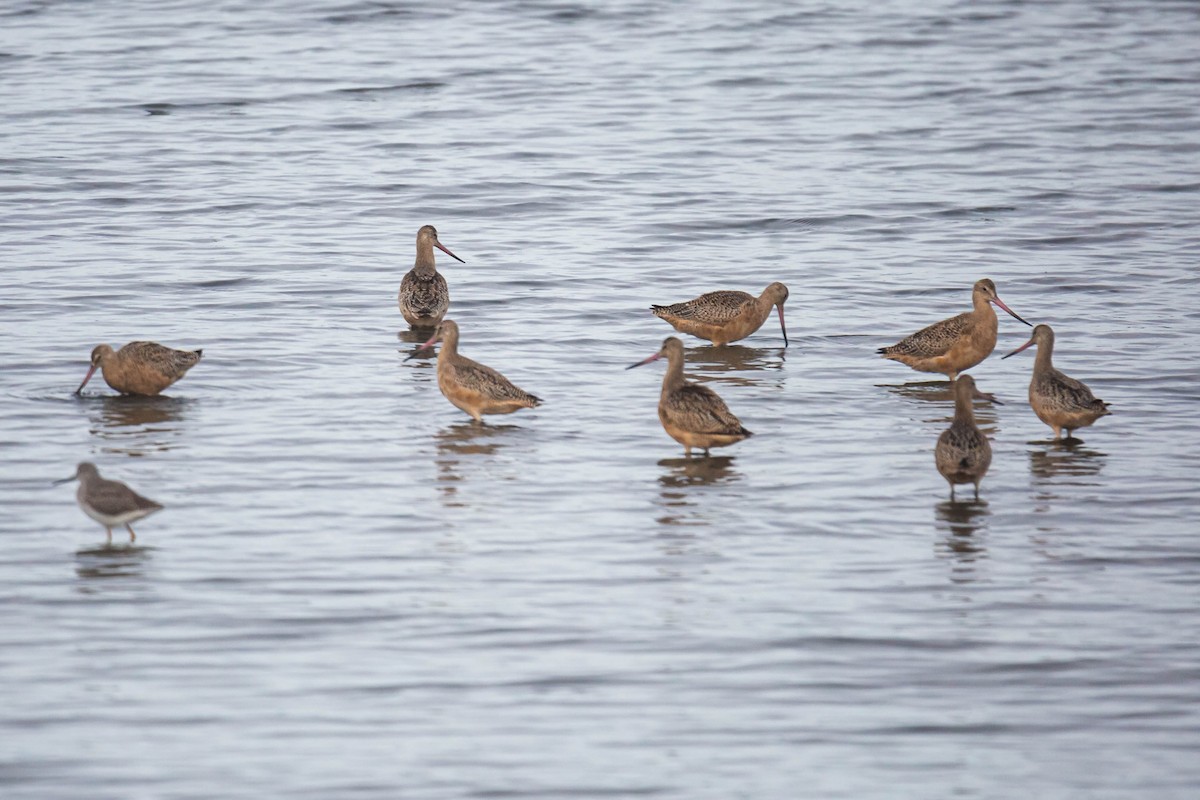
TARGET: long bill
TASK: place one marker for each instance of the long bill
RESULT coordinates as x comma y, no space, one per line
63,480
446,250
978,395
432,341
1019,349
1012,313
782,327
91,371
646,360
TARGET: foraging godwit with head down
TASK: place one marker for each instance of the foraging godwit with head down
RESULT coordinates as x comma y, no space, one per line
471,386
109,502
424,296
1059,400
954,344
963,454
691,414
726,316
144,368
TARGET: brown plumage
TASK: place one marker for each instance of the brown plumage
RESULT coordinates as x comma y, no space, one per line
725,316
954,344
691,414
963,453
109,502
144,368
424,295
1059,400
471,386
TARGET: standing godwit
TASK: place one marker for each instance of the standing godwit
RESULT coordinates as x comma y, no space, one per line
144,368
691,414
424,295
1059,400
954,344
471,386
724,317
109,502
963,453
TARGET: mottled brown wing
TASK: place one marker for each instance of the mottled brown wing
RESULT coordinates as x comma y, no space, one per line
699,409
425,295
962,448
165,360
714,308
485,380
113,498
932,341
1069,393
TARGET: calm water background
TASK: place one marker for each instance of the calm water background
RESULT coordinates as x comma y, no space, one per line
353,593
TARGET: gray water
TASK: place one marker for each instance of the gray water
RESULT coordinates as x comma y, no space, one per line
355,593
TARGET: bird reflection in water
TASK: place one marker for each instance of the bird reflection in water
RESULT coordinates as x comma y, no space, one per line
942,393
684,476
962,525
731,363
135,426
457,445
1062,462
110,565
416,336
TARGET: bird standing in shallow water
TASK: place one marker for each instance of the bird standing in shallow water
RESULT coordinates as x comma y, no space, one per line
144,368
424,296
1059,400
726,316
691,414
109,502
471,386
963,454
954,344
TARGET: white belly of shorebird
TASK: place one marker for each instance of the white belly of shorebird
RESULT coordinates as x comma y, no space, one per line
113,520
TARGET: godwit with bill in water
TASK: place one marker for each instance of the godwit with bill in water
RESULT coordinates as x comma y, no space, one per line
963,454
954,344
1059,400
144,368
424,296
726,316
471,386
109,502
691,414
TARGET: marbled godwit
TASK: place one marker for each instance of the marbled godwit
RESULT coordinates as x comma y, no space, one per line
954,344
1059,400
109,502
471,386
144,368
691,414
424,295
963,453
724,317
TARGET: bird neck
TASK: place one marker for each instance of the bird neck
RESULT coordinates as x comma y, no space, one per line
673,378
964,410
425,261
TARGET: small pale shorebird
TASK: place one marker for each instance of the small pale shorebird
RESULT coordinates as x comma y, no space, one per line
471,386
726,316
144,368
1059,400
954,344
963,454
108,502
691,414
424,295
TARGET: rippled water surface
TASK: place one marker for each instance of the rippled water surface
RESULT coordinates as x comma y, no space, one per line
354,592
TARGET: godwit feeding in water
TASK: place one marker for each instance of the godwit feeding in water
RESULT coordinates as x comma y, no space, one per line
963,453
1059,400
724,317
471,386
109,502
424,295
691,414
954,344
144,368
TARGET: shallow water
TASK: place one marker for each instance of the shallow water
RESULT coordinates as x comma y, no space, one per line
353,592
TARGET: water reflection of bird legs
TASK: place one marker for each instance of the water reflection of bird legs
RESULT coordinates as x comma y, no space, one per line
685,475
98,565
963,524
1062,462
135,425
459,442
